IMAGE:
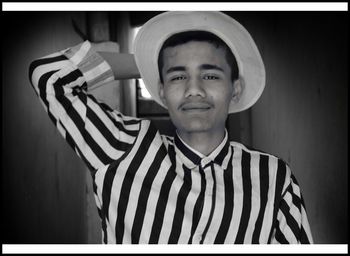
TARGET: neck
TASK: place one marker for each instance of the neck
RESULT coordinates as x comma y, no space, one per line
203,142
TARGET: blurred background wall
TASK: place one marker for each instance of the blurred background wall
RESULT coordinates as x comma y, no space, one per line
301,117
43,182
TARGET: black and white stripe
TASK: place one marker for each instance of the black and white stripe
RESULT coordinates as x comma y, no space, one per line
150,188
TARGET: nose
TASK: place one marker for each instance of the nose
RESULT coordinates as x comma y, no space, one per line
194,87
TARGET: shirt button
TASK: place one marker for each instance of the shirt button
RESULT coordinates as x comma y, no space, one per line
204,162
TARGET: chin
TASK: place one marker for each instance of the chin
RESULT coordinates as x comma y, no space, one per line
197,127
193,124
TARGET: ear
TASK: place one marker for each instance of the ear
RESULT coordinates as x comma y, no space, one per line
237,90
161,93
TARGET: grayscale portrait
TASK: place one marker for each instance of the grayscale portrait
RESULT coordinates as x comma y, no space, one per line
177,127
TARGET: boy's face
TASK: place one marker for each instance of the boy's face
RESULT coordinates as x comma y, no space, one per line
197,87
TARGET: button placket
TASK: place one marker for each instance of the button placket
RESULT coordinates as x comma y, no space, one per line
209,197
202,213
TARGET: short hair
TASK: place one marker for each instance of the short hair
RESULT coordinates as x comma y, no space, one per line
199,36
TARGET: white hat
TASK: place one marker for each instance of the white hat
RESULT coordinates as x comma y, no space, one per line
153,34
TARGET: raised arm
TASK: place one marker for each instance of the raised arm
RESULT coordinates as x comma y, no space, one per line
61,80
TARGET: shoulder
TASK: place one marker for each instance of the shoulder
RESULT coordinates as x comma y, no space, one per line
148,129
254,151
268,165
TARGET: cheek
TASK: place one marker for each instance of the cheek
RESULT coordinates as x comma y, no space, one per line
172,96
223,96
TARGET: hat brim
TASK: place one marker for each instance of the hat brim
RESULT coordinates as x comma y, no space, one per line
153,33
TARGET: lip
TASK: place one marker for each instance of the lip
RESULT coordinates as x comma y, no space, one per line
195,107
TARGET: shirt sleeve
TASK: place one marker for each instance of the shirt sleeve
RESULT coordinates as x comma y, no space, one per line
98,134
291,225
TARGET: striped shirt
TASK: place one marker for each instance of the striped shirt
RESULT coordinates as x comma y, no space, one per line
152,188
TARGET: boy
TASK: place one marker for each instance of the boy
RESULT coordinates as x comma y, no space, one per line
195,187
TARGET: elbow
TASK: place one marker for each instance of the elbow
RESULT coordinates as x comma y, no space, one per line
38,77
32,66
31,70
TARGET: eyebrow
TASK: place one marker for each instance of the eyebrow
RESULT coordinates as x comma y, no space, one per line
210,66
203,66
176,68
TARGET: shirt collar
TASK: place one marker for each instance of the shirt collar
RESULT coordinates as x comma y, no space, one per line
192,158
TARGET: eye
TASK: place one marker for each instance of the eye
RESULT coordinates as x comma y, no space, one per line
177,78
210,77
